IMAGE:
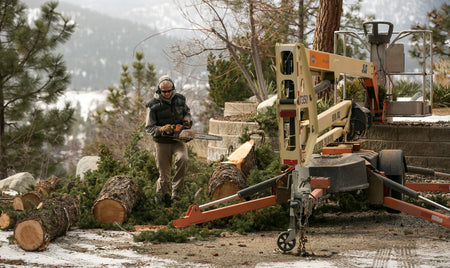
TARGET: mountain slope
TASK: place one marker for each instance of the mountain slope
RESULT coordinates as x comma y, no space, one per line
101,44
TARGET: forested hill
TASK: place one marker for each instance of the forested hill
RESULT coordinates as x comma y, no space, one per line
101,44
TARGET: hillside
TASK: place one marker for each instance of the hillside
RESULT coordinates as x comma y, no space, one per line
101,44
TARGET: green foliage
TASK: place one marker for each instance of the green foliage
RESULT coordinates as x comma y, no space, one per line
441,96
225,81
354,90
345,202
245,136
324,104
175,235
267,120
32,78
439,24
405,88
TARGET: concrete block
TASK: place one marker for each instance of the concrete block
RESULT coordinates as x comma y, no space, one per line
236,108
407,133
382,132
438,134
440,164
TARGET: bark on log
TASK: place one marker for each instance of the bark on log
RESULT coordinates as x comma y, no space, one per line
52,184
225,180
6,199
54,219
116,199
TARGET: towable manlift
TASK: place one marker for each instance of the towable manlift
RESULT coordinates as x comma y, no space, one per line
341,167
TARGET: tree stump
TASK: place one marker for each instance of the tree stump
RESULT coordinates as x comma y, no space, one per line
225,180
52,220
116,200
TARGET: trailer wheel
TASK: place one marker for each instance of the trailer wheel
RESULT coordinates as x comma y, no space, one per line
282,244
393,163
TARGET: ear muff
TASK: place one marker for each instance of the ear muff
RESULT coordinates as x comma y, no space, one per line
162,79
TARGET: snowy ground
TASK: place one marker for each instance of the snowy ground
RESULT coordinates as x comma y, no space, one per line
99,248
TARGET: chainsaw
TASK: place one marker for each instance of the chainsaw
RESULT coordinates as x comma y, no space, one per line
183,133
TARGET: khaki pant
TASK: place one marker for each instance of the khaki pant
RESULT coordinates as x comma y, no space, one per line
165,153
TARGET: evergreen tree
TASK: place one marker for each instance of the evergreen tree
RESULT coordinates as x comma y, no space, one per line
125,111
32,77
225,81
440,27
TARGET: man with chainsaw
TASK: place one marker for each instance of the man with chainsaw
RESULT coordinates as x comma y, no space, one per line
166,110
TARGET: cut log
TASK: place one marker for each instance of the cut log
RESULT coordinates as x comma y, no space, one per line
116,200
32,199
243,157
225,180
54,219
15,201
6,221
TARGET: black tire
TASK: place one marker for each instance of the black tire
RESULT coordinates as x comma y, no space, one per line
392,162
281,242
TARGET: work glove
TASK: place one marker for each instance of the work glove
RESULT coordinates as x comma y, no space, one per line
168,129
187,122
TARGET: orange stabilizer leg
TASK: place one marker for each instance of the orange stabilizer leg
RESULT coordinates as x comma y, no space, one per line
195,216
429,187
417,211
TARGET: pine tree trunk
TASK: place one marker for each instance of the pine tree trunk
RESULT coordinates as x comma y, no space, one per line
52,220
328,20
225,180
116,200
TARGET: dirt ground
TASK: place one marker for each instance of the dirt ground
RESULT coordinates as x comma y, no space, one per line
363,239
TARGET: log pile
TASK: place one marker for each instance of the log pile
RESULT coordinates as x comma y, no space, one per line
116,200
47,222
230,177
41,190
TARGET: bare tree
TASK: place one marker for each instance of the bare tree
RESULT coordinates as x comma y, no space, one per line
241,29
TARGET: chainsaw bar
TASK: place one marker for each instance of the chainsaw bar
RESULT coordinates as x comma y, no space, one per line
207,137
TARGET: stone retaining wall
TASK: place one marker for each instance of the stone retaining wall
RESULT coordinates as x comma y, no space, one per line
424,146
